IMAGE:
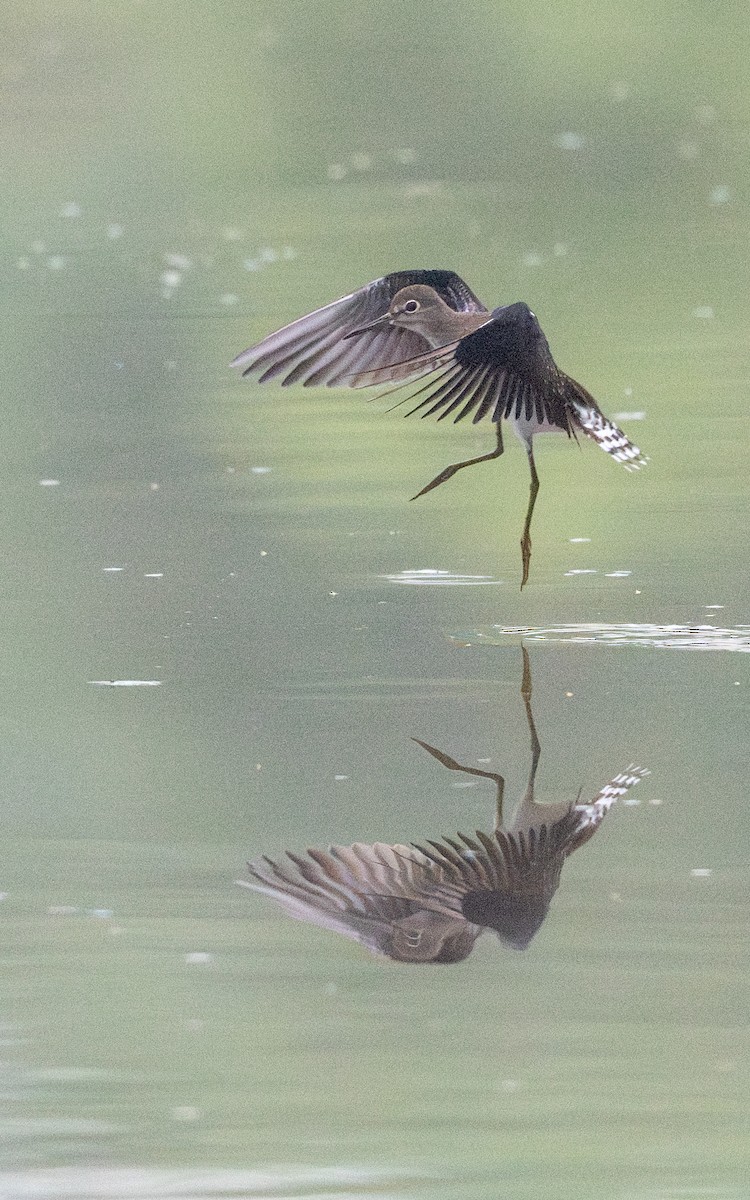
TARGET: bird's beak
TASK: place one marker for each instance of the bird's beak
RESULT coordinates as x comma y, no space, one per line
381,321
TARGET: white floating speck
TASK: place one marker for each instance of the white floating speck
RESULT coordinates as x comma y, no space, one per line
49,482
288,253
404,155
101,914
170,364
251,264
153,487
56,262
631,801
532,259
114,231
170,279
703,312
38,247
229,299
112,570
3,895
180,262
701,872
687,150
230,233
617,574
719,195
508,1085
71,209
261,470
184,1112
154,575
705,114
361,162
125,682
637,415
582,571
560,249
570,141
62,910
655,801
340,778
713,605
619,91
268,255
23,263
577,540
198,958
336,171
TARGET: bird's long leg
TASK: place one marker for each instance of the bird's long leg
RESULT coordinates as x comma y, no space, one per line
536,748
526,539
449,472
446,761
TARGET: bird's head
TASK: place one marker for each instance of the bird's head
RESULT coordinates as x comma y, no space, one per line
416,307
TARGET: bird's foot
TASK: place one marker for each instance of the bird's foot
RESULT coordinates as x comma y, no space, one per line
443,477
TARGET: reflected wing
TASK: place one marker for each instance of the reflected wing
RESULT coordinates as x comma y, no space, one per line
502,369
370,893
312,350
504,881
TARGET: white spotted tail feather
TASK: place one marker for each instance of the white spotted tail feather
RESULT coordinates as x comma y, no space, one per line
588,417
591,815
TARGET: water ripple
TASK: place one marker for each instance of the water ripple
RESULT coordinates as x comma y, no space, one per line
657,637
72,1183
431,577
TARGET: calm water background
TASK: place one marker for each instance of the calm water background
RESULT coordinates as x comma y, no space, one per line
178,179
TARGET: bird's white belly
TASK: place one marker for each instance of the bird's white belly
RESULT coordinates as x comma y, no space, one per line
526,429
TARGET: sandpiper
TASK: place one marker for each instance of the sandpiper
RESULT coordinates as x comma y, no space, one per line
495,365
429,902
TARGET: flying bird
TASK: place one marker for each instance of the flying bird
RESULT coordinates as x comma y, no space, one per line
488,365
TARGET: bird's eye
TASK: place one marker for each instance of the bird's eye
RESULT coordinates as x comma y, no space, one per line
411,306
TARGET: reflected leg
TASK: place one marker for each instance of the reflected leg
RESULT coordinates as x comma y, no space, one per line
536,748
526,539
446,761
449,472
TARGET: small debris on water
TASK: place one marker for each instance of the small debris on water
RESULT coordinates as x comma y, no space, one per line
125,682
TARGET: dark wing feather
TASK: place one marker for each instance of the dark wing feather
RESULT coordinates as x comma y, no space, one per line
503,369
380,895
312,350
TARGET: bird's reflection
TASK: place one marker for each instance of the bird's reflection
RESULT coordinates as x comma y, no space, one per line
429,902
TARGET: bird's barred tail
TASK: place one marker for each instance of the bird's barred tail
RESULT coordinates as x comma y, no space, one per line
619,786
591,420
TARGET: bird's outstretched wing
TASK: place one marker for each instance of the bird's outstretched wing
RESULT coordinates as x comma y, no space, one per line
504,369
376,894
313,350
